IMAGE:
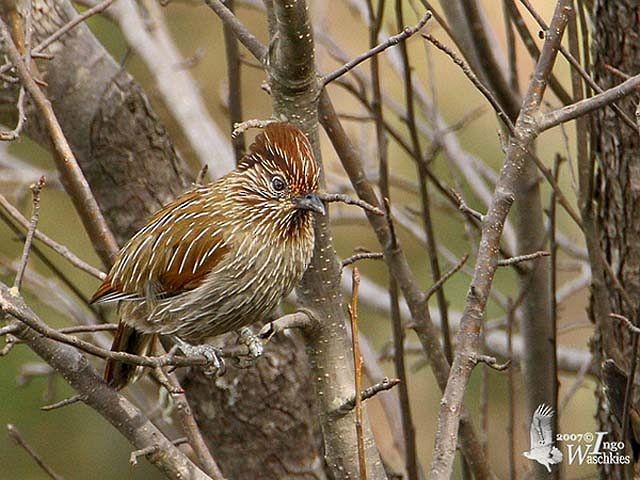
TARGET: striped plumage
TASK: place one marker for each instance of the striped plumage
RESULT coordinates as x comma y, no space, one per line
222,256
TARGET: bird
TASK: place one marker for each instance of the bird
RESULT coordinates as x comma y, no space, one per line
542,449
219,257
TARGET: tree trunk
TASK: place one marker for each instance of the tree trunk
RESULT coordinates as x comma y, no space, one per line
616,153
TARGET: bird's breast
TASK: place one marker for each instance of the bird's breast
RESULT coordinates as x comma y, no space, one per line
256,273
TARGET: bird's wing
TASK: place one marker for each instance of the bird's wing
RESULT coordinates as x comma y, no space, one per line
541,433
179,246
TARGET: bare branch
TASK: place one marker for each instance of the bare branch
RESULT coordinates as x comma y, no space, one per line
121,413
77,185
63,403
241,127
361,256
390,42
36,188
17,437
522,258
191,429
7,136
582,107
434,288
468,339
492,362
143,452
340,197
627,323
245,37
72,24
576,65
357,362
55,246
502,114
301,319
367,393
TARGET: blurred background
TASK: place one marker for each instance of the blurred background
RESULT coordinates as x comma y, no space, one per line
80,444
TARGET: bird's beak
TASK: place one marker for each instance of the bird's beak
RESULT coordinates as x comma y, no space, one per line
310,202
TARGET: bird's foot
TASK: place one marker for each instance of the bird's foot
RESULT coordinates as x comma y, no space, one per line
253,345
215,363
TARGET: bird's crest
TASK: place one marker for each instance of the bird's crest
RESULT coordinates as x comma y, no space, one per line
282,147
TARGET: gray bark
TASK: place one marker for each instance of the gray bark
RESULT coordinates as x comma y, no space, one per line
616,153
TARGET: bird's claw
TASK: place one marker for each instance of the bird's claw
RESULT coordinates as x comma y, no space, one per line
254,346
215,363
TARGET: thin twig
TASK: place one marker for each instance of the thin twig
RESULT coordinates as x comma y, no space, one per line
76,184
63,403
576,65
72,24
367,393
441,281
143,452
492,362
234,84
630,326
463,207
502,114
522,258
361,256
15,327
108,327
241,127
9,135
577,383
36,188
357,362
562,199
245,37
582,107
407,441
15,435
390,42
340,197
553,280
191,429
512,393
60,249
10,328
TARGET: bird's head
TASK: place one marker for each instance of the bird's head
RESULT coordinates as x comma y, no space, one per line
278,177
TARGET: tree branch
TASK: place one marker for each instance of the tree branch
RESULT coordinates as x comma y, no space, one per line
468,337
115,408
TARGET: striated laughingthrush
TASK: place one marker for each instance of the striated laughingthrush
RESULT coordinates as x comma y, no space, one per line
221,256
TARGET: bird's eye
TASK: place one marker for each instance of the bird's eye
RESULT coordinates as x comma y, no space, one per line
278,184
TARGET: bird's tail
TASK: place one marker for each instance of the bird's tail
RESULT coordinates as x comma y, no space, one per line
127,339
